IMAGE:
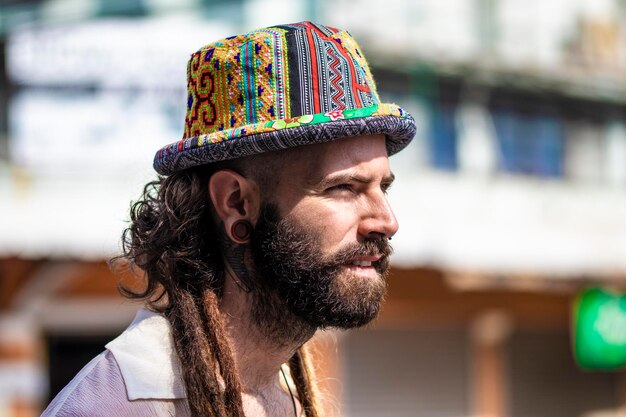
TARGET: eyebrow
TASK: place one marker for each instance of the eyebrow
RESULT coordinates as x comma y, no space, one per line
344,178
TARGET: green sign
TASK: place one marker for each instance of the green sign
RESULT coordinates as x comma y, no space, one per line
600,330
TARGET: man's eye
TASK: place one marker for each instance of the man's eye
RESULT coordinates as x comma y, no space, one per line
341,187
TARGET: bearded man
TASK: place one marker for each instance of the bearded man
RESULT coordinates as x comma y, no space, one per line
269,221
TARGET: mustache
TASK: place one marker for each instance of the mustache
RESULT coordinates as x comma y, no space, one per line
368,247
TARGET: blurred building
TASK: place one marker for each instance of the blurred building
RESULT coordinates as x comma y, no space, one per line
511,200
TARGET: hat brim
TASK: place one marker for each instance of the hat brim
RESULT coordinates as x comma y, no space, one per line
398,127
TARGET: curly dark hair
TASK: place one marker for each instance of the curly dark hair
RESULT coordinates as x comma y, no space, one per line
173,240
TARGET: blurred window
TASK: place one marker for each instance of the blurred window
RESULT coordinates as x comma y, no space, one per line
529,143
443,137
4,99
67,354
131,8
210,3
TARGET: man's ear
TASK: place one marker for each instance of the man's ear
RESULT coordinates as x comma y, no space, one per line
234,198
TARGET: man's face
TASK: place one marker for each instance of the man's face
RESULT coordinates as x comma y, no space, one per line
321,240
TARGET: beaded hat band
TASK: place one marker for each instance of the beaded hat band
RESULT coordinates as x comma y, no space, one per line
276,88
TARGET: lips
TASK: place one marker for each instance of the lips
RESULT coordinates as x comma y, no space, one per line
365,261
361,263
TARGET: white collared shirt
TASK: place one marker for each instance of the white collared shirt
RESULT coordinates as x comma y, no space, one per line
139,374
147,359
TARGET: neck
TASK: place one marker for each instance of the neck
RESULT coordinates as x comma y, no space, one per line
262,333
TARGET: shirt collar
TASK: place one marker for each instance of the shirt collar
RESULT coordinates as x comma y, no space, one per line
147,359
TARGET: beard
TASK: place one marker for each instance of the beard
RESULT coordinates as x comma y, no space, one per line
298,283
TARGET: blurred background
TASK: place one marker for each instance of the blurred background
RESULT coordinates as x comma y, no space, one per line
511,199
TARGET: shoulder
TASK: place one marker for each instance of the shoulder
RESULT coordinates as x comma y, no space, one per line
99,390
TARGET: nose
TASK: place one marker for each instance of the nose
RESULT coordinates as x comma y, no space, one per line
378,218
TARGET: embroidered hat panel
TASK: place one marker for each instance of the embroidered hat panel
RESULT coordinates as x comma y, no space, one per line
247,93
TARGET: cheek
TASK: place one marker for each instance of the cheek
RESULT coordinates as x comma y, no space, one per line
335,224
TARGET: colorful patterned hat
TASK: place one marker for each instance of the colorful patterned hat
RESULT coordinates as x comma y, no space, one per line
276,88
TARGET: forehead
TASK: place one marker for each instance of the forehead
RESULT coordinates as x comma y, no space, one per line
311,164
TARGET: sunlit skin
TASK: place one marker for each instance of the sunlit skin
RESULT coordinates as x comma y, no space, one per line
337,191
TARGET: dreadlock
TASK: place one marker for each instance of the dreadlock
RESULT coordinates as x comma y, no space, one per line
173,240
302,372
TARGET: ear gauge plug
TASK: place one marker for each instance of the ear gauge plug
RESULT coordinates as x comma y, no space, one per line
241,230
